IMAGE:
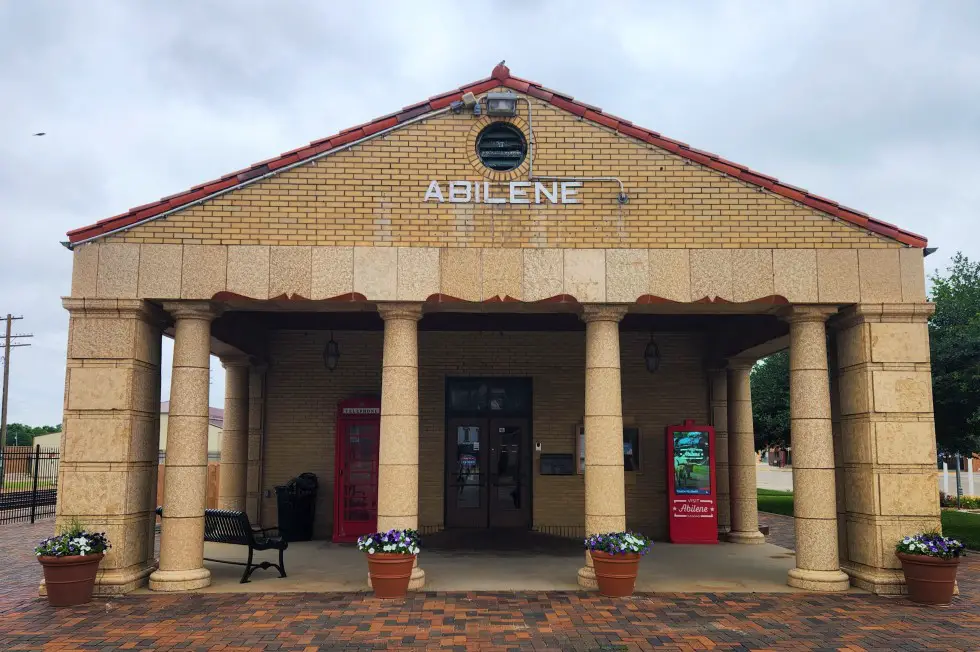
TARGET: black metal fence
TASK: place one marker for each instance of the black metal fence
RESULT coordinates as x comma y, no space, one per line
28,483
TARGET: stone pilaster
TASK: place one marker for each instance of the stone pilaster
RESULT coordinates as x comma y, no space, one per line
185,480
814,490
398,454
741,455
718,409
605,491
888,439
256,430
234,435
108,472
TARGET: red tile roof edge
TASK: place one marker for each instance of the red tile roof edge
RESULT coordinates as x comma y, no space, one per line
500,77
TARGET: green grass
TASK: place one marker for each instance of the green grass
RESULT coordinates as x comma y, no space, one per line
960,525
26,485
776,502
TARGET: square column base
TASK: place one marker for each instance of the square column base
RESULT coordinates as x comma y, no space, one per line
819,580
180,580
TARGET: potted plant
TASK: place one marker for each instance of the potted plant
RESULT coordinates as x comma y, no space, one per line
929,561
391,557
70,561
616,559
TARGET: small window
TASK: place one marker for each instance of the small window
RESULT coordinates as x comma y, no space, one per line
501,146
631,448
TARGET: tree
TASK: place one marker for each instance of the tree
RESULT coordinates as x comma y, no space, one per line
770,400
20,435
954,342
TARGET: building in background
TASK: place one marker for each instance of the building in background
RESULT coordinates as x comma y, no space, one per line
216,419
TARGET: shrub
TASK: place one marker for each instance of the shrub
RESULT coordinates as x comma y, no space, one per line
618,543
966,502
399,542
930,544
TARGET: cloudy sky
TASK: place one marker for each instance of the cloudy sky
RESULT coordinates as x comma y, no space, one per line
874,104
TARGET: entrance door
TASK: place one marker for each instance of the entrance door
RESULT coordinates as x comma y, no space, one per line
488,473
509,495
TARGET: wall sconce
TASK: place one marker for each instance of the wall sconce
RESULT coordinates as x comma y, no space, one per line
331,354
504,104
651,355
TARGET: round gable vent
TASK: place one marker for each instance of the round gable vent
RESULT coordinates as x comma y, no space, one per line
501,146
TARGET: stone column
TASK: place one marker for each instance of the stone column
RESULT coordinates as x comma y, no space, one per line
741,455
398,455
814,490
234,435
605,490
185,480
108,471
888,439
256,428
718,406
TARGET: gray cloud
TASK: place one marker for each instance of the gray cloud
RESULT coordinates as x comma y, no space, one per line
874,104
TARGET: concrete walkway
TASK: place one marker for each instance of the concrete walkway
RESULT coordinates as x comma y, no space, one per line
323,566
772,477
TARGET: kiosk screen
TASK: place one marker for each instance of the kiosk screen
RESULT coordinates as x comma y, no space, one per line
692,467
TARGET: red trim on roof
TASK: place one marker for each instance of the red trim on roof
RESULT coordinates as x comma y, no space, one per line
500,77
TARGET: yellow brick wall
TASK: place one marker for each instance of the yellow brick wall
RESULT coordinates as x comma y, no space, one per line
303,397
372,195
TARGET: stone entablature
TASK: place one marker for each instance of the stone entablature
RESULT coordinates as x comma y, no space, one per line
122,270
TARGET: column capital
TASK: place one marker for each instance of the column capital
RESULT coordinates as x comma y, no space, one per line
409,311
107,308
741,363
235,360
191,309
600,312
884,312
807,313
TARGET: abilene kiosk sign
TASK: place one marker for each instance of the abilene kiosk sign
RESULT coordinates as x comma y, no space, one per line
517,192
460,267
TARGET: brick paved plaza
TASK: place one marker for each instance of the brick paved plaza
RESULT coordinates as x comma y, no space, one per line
460,621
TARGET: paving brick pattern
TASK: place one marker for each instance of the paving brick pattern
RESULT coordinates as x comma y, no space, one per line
485,621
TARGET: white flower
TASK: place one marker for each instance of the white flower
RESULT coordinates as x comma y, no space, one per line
371,551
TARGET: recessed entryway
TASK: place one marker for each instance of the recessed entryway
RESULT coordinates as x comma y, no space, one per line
488,458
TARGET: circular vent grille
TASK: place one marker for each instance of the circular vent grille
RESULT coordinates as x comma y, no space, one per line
501,146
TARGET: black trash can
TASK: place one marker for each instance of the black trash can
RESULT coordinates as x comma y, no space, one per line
296,502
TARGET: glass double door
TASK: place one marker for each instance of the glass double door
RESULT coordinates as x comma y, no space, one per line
488,473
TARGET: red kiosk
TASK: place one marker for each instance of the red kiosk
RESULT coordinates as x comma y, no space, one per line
691,491
355,502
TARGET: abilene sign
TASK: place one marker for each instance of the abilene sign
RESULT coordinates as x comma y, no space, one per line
518,192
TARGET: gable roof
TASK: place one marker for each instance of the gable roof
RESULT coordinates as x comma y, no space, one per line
499,77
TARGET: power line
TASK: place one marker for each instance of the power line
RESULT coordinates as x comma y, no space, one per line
7,345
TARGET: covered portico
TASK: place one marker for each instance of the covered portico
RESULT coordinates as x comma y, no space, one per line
549,305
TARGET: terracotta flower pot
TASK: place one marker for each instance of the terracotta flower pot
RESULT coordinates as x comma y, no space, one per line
929,580
69,581
616,574
390,573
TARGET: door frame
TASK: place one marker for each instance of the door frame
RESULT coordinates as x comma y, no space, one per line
487,416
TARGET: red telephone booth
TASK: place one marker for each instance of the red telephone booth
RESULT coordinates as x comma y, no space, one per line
355,504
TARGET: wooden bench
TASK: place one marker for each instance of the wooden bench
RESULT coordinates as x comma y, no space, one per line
226,526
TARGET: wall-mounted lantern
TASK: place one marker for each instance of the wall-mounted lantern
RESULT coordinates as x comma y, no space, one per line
651,355
331,354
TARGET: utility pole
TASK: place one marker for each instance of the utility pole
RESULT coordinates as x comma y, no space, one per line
7,345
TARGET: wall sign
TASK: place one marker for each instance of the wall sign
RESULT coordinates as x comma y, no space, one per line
516,192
